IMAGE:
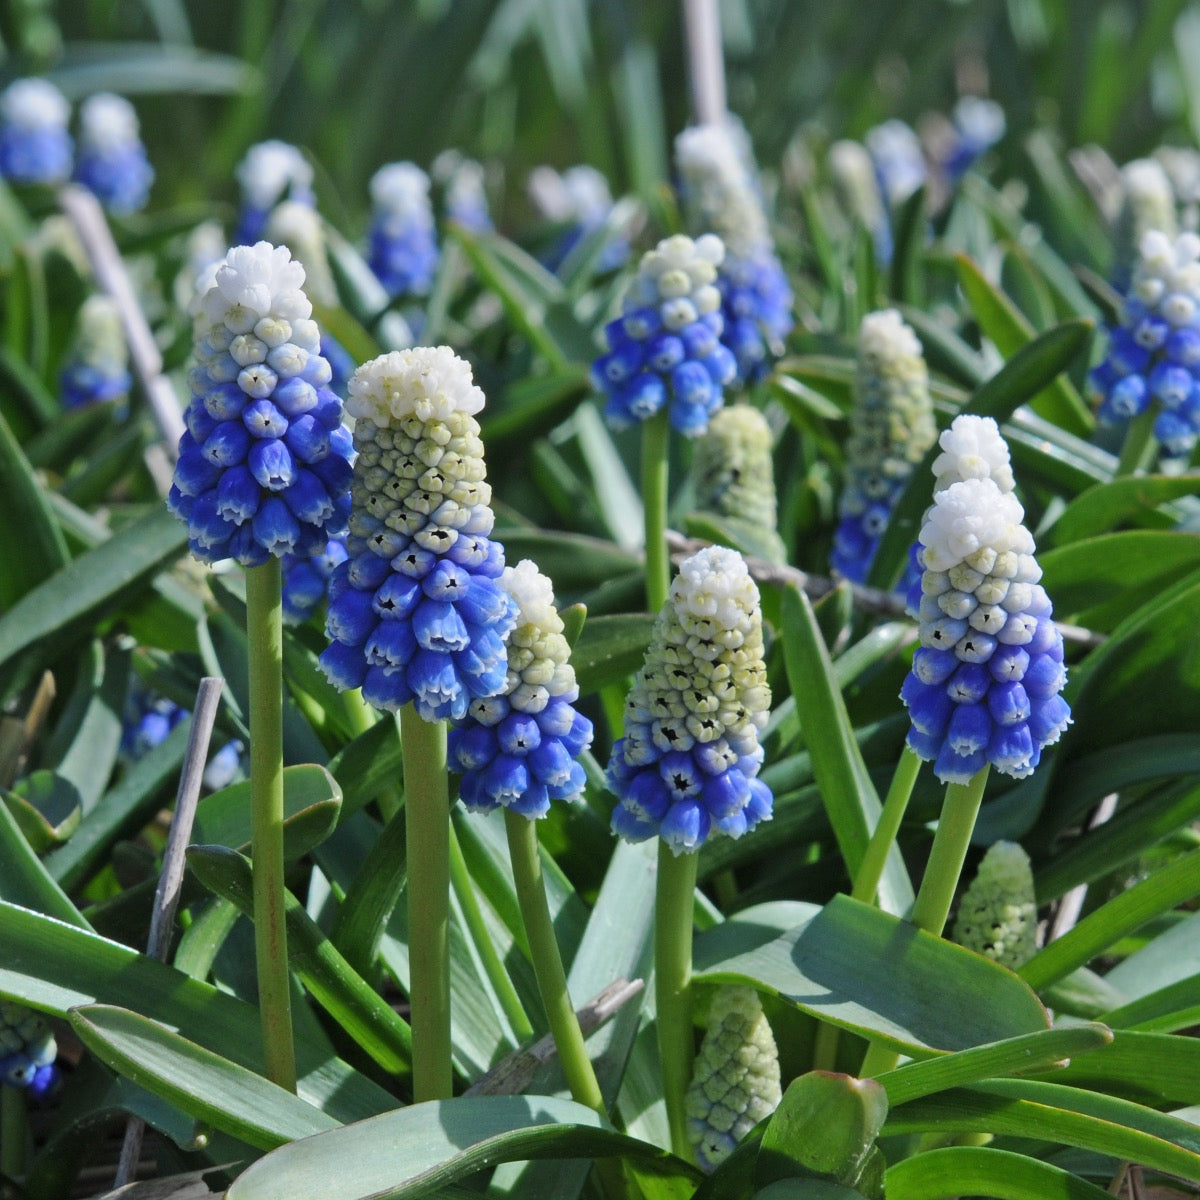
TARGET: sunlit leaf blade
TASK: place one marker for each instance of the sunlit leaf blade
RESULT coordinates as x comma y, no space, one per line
961,1170
1107,505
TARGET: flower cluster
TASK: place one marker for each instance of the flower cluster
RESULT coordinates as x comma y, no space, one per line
1146,202
689,760
27,1051
264,462
665,349
997,915
579,199
35,146
891,428
736,1080
306,580
985,683
977,125
464,195
149,719
853,174
517,750
97,365
1154,353
112,161
899,161
402,247
721,191
269,172
417,613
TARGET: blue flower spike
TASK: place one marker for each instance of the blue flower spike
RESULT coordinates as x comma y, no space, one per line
112,161
306,580
518,750
263,465
687,767
417,612
1154,353
899,160
401,242
891,428
985,685
464,190
665,349
853,175
1147,203
721,192
269,173
27,1051
97,365
35,146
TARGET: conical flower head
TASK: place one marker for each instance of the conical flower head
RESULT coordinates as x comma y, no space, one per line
736,1081
985,683
853,174
997,915
269,173
35,146
417,613
891,428
97,366
579,199
1154,353
1147,204
666,349
264,462
688,763
112,161
402,247
27,1050
517,750
464,190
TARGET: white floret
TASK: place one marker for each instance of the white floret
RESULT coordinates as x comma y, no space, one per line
534,596
970,516
269,170
972,448
715,583
428,382
107,122
400,187
885,336
258,281
34,104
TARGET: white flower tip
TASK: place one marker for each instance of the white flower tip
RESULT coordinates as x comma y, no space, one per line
428,382
969,516
34,104
716,583
108,121
261,278
972,448
884,335
534,596
401,186
271,168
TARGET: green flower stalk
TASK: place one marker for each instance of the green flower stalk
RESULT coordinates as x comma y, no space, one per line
997,915
736,1082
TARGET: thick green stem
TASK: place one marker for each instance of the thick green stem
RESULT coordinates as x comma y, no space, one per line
1137,450
656,445
870,870
14,1132
464,889
673,921
264,632
427,812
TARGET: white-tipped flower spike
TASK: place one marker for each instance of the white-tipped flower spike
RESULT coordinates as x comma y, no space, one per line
517,750
721,191
899,160
1147,203
1154,353
97,367
736,1081
402,247
972,448
978,124
857,187
112,161
298,227
891,428
688,763
271,171
35,146
464,191
998,912
985,684
666,348
263,465
580,199
417,613
27,1051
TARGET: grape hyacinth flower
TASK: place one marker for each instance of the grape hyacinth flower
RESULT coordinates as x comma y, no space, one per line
985,684
579,199
27,1051
997,915
736,1081
853,175
688,764
97,365
306,580
891,428
35,146
417,613
978,124
1147,203
464,194
402,247
147,722
900,166
723,197
112,161
270,172
263,465
517,750
665,349
1154,353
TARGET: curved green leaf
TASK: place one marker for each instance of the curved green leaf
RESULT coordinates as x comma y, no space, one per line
24,879
609,649
1156,1069
972,1170
1103,507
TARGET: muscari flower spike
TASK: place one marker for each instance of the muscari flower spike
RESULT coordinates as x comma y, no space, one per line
978,124
854,179
666,348
401,243
112,161
35,146
721,191
269,173
688,763
1147,202
417,613
97,365
900,166
997,915
27,1051
517,750
891,428
985,683
578,198
306,580
1154,353
264,462
736,1080
464,195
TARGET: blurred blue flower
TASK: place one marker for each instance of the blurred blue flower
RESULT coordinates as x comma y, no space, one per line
27,1051
35,146
401,243
112,161
306,580
580,202
464,195
96,369
978,124
270,172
